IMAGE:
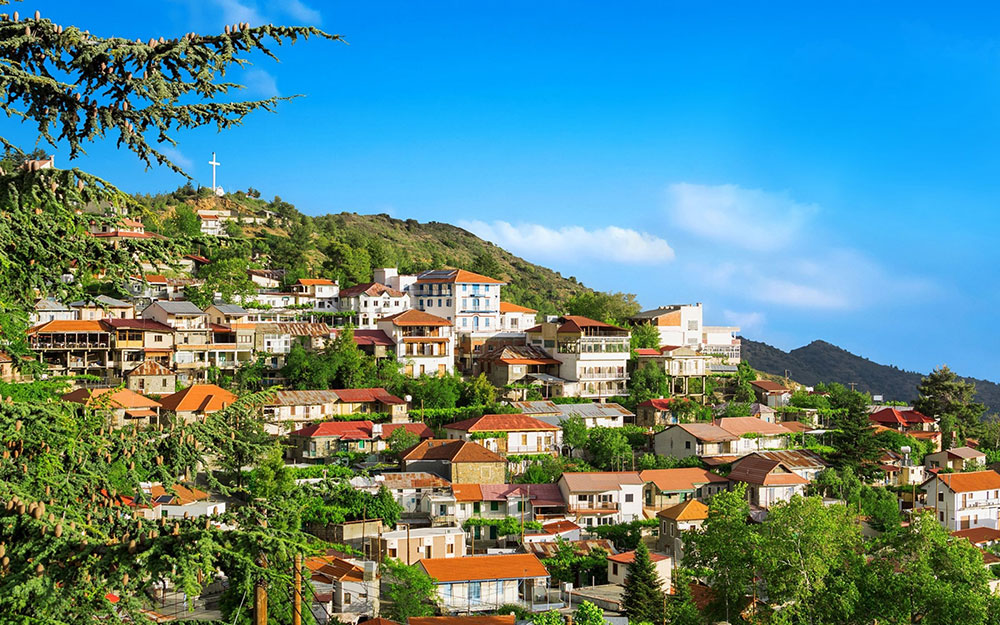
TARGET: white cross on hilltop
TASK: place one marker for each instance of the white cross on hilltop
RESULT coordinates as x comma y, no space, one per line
214,164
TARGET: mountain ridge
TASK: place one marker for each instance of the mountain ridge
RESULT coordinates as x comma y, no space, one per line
822,361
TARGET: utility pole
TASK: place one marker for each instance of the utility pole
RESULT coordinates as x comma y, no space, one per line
297,591
260,592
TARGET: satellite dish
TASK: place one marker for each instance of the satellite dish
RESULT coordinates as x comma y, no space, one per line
219,192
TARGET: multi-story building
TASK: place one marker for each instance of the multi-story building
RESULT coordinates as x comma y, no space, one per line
667,487
138,340
593,415
682,325
371,302
593,354
424,342
73,347
731,436
192,336
325,294
682,365
606,498
410,545
102,307
508,434
964,500
46,310
457,461
516,319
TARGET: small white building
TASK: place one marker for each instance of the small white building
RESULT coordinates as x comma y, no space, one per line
508,434
484,583
602,498
619,564
516,319
424,343
410,545
964,500
372,302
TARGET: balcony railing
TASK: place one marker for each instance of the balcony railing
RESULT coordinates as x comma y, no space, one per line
621,375
600,506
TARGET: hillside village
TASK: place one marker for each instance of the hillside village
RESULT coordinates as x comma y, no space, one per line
505,462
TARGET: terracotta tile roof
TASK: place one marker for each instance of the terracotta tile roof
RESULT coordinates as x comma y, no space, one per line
58,325
303,398
413,479
502,423
204,398
180,494
560,527
379,621
344,430
770,387
451,450
576,323
548,549
367,396
894,416
598,481
372,337
119,398
478,568
690,510
467,492
647,351
705,432
415,318
304,329
759,471
660,403
539,495
149,367
628,557
683,479
326,569
499,619
968,482
455,275
316,282
795,458
372,289
751,425
422,430
796,426
507,307
979,535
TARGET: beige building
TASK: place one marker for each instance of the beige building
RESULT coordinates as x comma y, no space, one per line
619,563
424,342
410,545
126,407
676,520
151,378
593,355
508,434
457,461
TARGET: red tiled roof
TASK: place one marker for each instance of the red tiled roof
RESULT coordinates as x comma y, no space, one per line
422,430
628,557
372,289
344,430
682,479
658,403
477,568
451,450
647,351
467,492
372,337
119,398
502,423
367,395
459,275
560,527
507,307
893,416
968,482
316,282
769,386
204,398
59,325
416,318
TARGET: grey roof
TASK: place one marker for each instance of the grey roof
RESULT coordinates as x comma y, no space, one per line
564,411
50,304
102,300
181,307
722,368
545,377
231,309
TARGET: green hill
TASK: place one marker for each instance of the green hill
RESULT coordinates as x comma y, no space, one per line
347,246
820,361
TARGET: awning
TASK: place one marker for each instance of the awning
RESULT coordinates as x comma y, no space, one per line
144,412
546,378
530,361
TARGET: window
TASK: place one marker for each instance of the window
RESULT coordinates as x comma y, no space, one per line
687,444
439,304
581,498
447,303
451,547
524,439
494,506
614,568
347,598
475,590
157,338
476,507
446,591
940,496
628,497
487,322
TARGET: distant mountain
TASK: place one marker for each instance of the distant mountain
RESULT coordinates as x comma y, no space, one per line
820,361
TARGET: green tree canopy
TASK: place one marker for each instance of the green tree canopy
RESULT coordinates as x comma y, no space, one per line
642,597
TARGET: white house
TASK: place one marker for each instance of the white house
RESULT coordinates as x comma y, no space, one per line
469,300
373,301
593,354
730,436
964,500
606,415
424,343
323,294
516,319
682,325
508,434
602,498
484,583
619,563
769,481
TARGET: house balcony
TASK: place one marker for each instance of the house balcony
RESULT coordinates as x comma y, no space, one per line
594,507
43,344
620,376
978,505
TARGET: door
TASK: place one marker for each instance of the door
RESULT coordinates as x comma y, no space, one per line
964,523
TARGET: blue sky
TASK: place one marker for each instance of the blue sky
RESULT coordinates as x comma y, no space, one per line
807,173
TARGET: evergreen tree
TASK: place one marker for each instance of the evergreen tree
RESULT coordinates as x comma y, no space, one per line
945,396
854,437
643,598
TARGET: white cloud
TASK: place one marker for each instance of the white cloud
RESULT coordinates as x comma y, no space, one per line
299,11
176,156
234,11
747,321
747,218
261,83
769,248
541,243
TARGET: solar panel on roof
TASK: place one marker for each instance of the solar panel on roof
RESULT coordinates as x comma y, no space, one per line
163,499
